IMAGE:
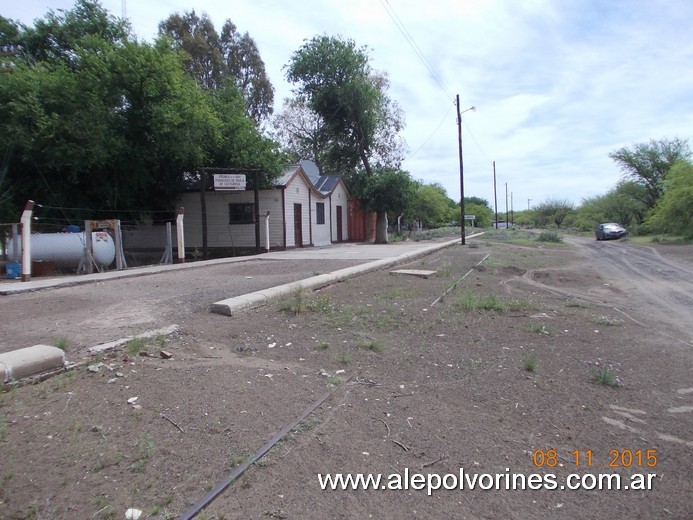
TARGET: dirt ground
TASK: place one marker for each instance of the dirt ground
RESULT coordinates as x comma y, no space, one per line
489,367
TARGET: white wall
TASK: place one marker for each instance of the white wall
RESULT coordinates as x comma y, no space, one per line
321,232
222,234
298,192
339,198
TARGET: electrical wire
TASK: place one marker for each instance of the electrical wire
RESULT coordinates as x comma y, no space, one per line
412,43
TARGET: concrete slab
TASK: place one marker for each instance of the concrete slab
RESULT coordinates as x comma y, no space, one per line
30,361
112,345
421,273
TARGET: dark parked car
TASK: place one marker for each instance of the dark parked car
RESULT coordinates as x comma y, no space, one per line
609,230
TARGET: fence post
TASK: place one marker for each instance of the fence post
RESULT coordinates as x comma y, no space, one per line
180,236
167,257
267,236
88,248
118,239
26,240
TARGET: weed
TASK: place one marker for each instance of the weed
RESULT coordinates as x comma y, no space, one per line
549,236
371,344
541,329
294,304
62,343
604,373
444,272
344,358
516,304
529,362
606,320
322,304
470,301
235,459
136,346
333,381
145,450
576,302
3,426
322,345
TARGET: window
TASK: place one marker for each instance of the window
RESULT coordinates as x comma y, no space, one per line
242,213
319,212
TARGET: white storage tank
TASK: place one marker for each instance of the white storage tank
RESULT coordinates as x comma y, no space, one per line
66,250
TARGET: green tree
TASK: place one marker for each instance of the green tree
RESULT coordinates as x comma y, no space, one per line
648,163
390,191
673,211
103,122
554,211
336,81
214,59
431,205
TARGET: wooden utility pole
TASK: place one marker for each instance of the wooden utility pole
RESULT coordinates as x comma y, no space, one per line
495,198
459,146
506,206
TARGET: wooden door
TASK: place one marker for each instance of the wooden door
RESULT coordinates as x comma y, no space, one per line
340,237
298,225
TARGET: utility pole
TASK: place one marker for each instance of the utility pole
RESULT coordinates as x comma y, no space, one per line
528,201
459,145
506,206
512,213
495,197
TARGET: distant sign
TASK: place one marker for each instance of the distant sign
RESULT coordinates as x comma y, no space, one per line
470,217
229,181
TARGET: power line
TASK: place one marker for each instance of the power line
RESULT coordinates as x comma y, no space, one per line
434,131
410,39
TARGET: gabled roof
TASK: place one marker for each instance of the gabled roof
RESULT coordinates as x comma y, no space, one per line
293,171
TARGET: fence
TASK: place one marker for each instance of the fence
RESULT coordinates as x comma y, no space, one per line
48,242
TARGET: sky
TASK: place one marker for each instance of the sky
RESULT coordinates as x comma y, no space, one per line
557,84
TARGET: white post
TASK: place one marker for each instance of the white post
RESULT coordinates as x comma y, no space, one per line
267,236
180,236
26,240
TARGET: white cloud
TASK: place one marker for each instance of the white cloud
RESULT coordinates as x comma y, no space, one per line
558,83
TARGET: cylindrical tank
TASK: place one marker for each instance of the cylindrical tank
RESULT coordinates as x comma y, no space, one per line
67,249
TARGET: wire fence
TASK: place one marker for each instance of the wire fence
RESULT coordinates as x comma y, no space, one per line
68,241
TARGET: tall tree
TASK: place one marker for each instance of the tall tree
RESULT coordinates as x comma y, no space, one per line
335,79
672,213
555,210
648,164
109,123
301,131
213,59
390,191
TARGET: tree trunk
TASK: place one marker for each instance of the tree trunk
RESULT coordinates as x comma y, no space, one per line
381,228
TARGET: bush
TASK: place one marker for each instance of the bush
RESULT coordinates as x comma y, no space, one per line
549,236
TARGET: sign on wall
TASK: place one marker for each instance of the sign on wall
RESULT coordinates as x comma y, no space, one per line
229,181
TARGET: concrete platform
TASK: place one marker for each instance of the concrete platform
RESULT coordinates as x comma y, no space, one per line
30,361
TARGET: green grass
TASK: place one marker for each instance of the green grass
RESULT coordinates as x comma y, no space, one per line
529,362
607,320
549,236
344,358
295,303
371,344
541,328
470,301
62,343
136,346
576,302
321,345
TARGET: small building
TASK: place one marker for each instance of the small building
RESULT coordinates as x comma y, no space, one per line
303,209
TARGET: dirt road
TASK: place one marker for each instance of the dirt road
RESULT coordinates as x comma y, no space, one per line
655,289
498,378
